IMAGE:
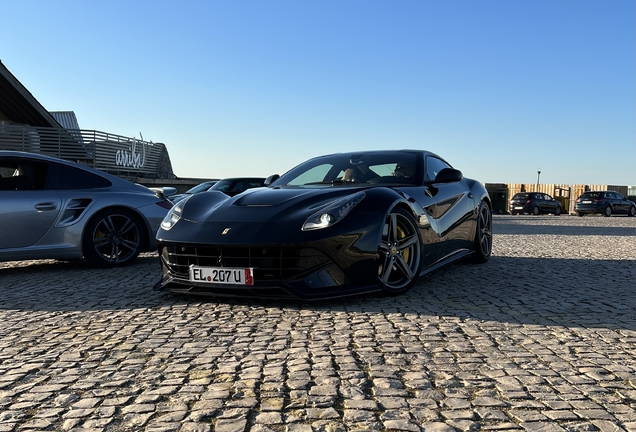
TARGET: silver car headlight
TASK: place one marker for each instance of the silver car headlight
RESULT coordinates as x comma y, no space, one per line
332,213
173,215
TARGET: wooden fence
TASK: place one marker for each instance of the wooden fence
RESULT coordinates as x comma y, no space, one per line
501,193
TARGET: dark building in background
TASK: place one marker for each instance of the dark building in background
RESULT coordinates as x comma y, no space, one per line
25,125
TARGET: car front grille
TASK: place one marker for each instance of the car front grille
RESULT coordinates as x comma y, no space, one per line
269,263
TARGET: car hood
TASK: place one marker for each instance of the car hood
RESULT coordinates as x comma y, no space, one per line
262,204
271,197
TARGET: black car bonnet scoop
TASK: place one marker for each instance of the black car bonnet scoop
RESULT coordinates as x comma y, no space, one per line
270,197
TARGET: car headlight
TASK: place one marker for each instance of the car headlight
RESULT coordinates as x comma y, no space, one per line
332,213
174,214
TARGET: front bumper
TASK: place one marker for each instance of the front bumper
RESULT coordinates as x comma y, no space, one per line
281,272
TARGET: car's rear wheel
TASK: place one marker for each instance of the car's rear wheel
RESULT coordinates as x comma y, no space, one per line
608,211
113,238
483,234
400,252
580,214
535,210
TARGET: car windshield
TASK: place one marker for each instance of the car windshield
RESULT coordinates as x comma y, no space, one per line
222,185
199,188
354,168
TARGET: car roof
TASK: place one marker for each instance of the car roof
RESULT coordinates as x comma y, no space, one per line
243,179
118,181
424,152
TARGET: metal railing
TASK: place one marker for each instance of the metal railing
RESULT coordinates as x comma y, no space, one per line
108,152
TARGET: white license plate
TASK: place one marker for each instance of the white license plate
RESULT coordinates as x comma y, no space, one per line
518,208
587,202
222,275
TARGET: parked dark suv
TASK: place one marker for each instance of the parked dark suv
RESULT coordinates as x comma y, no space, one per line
534,203
604,202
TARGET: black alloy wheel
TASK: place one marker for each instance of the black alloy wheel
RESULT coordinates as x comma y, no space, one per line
608,211
557,212
483,234
632,211
113,238
400,252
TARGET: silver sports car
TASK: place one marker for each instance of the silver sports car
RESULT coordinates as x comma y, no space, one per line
54,209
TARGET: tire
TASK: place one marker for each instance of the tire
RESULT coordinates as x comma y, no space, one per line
113,238
632,211
608,211
535,210
400,252
557,212
482,245
580,214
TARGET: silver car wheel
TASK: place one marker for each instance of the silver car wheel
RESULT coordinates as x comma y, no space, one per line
400,252
483,234
113,238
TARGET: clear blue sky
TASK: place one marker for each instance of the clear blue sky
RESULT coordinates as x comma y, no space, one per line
499,88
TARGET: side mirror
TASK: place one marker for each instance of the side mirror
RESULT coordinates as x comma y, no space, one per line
271,179
163,192
448,175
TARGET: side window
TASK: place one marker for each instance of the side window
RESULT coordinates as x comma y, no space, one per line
22,174
8,168
68,177
433,167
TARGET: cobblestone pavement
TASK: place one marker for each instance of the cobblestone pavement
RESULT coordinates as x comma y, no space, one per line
541,338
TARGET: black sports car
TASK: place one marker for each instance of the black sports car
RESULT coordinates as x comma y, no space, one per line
333,226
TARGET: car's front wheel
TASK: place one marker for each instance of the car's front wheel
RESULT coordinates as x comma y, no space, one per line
483,234
113,238
632,211
608,211
400,252
557,212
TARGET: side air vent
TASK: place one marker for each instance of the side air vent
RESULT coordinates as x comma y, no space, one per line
73,210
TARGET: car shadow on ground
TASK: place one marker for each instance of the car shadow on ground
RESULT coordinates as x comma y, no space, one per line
515,290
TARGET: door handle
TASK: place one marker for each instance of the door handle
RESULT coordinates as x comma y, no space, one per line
46,206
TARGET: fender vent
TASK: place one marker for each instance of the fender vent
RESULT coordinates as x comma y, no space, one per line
74,210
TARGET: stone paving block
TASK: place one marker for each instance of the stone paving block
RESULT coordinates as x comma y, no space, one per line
468,348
